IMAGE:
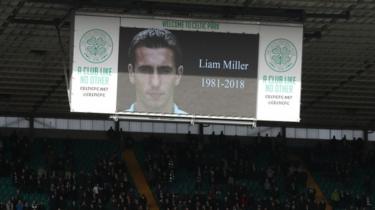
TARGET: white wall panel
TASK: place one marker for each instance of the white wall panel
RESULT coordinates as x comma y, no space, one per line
336,133
135,127
108,124
229,130
86,125
207,130
74,124
371,136
158,127
98,125
264,131
290,133
301,133
358,134
49,123
124,125
312,133
146,127
324,134
275,131
194,129
170,128
61,123
252,131
2,122
38,122
218,129
348,134
241,130
23,123
12,122
182,128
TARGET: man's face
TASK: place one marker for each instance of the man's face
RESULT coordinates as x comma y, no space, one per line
154,75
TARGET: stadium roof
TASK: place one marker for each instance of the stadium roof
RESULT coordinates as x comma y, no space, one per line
338,79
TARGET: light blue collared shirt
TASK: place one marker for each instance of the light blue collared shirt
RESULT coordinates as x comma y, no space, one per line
176,110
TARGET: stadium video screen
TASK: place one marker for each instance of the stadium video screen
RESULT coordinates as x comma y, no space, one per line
208,74
188,68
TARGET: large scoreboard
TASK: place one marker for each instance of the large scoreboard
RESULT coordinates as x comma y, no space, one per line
164,66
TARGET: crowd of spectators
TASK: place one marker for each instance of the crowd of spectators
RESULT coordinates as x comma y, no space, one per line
219,168
338,159
218,173
107,186
347,165
236,198
13,153
18,204
219,165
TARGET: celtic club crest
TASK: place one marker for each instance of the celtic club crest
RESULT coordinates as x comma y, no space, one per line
96,46
281,55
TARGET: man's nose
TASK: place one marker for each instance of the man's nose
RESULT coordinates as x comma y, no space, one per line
155,79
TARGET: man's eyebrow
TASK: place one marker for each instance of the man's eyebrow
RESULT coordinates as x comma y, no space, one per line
144,66
160,69
164,69
145,69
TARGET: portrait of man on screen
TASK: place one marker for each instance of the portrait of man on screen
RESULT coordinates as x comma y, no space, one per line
155,70
175,71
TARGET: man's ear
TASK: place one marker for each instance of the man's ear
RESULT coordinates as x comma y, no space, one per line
131,73
179,73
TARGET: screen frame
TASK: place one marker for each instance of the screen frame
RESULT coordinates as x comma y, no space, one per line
187,117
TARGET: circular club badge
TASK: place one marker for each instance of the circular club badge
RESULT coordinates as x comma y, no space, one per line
96,46
281,55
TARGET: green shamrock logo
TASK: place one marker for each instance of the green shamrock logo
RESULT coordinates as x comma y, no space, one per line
281,55
96,46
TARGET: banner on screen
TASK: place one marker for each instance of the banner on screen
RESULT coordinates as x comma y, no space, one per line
133,64
93,83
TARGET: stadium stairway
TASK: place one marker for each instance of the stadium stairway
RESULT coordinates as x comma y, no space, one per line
311,183
139,179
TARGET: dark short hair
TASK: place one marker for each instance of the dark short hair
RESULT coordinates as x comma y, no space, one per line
155,38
